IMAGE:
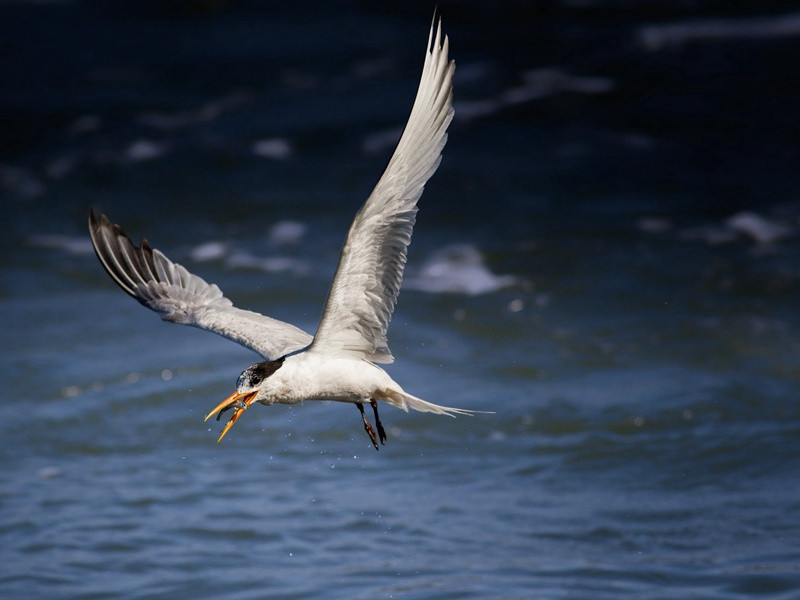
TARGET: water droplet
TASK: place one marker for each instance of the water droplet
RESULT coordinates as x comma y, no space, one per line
516,305
70,391
49,472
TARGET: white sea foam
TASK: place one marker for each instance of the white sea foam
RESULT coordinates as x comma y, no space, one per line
268,264
285,233
743,225
67,243
472,109
659,37
759,228
458,268
209,251
185,118
49,472
539,83
275,148
144,150
535,85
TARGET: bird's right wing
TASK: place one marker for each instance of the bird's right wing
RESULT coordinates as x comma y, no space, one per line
364,290
180,297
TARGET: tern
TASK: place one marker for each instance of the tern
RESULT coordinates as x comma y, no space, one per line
339,362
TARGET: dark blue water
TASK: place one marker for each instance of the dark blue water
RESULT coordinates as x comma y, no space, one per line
608,258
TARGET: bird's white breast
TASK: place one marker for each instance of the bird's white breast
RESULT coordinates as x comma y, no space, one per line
311,376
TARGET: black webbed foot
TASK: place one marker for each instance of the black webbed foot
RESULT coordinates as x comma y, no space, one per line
368,427
381,430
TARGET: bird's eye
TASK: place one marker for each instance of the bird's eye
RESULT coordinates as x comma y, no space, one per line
255,380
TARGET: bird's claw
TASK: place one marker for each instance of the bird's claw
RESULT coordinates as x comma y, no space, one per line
371,433
368,426
381,430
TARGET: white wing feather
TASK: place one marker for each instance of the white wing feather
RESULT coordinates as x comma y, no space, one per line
181,297
367,281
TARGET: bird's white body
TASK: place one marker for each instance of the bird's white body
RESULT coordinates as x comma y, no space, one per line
314,376
338,362
310,375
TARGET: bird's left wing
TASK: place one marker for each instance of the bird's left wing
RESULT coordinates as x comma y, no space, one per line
181,297
367,281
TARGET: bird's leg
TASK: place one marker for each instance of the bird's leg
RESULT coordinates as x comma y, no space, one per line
367,426
381,431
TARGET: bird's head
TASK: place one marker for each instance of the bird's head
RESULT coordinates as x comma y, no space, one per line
253,377
249,389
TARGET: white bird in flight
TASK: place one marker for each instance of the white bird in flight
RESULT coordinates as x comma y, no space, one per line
338,363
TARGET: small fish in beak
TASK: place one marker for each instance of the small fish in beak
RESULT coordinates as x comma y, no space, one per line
239,401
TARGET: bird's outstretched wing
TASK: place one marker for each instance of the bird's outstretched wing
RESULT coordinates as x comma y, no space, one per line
367,280
168,288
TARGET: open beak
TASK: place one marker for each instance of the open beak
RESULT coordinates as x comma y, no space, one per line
241,402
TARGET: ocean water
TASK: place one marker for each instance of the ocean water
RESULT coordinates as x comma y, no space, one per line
608,259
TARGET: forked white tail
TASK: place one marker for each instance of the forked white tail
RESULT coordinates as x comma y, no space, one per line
405,401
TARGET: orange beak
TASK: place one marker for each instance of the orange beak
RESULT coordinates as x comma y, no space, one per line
242,402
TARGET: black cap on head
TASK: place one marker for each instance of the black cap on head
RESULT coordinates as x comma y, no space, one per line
253,376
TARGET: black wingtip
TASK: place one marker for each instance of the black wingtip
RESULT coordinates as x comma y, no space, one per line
97,221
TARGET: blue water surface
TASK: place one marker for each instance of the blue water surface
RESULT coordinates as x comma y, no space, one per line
608,259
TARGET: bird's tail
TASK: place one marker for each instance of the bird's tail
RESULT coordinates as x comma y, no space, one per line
405,401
